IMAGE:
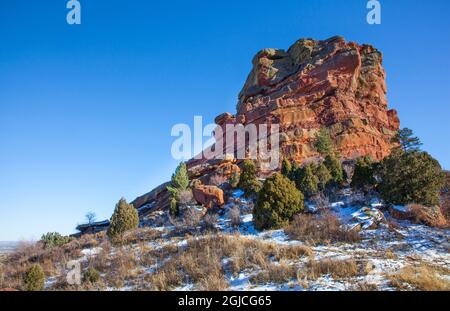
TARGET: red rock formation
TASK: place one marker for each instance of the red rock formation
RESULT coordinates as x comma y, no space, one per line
208,196
332,83
315,84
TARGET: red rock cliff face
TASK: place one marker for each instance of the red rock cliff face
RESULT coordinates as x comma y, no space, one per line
332,83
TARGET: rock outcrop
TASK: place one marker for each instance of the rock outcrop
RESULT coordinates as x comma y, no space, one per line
315,84
208,196
330,84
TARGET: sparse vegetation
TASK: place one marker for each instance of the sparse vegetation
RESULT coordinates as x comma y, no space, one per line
54,239
423,277
91,276
320,229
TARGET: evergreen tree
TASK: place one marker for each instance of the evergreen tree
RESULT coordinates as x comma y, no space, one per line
295,171
407,141
334,166
364,174
323,142
411,177
278,201
34,279
125,218
248,181
178,184
323,175
179,181
286,168
308,183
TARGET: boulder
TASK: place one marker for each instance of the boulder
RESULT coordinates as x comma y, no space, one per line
208,196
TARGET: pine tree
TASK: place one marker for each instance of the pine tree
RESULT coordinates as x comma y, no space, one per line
295,171
178,184
286,168
407,141
179,181
278,201
334,166
323,175
363,176
411,177
125,218
248,181
34,279
308,183
323,142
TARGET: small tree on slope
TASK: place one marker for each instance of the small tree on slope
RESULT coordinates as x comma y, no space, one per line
125,218
278,201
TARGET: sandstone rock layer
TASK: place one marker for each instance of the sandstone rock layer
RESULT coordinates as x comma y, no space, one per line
330,84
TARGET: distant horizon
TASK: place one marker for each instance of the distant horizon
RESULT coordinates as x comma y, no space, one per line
86,110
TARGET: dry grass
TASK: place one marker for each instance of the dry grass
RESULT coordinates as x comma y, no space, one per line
202,261
320,229
338,269
423,278
275,273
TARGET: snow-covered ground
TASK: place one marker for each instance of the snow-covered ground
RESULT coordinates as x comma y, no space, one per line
386,247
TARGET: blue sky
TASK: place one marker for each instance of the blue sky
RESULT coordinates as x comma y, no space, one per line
86,111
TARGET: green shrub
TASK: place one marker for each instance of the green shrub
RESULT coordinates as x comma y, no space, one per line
248,181
286,168
334,166
411,177
364,174
54,239
234,179
91,275
125,218
278,201
323,175
323,142
178,184
34,279
307,182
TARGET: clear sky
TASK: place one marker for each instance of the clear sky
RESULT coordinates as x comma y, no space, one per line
86,111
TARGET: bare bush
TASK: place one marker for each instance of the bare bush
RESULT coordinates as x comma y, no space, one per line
320,229
320,201
191,218
185,197
234,214
218,180
210,222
